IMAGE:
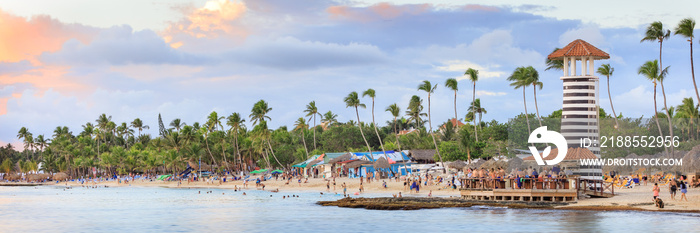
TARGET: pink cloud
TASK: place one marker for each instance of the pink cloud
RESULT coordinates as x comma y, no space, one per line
377,11
217,18
24,39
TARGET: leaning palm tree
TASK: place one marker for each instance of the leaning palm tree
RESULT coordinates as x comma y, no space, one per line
370,92
607,70
429,88
533,78
300,125
517,80
476,108
236,122
311,112
473,76
656,32
451,83
353,100
650,70
259,112
685,28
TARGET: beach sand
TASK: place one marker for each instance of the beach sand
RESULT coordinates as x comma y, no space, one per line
638,198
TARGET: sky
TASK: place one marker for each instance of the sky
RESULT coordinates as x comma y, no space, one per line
65,63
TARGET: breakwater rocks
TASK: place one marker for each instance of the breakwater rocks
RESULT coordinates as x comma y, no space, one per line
416,203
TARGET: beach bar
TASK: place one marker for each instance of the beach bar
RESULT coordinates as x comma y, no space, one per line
526,189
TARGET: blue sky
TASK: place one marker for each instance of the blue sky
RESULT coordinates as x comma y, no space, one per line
65,63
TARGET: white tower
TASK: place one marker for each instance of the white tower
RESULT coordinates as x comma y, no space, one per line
580,108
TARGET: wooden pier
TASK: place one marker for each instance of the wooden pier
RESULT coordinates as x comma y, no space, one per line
530,189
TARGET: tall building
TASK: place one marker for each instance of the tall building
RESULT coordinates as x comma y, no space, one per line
581,105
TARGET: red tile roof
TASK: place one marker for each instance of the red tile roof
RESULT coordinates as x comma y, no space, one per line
571,154
579,48
456,123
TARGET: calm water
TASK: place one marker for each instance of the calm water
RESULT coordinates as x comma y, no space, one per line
135,209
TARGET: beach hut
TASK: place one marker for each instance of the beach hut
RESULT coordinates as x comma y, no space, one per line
423,156
459,164
60,176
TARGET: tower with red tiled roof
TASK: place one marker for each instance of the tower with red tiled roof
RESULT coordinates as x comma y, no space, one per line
580,106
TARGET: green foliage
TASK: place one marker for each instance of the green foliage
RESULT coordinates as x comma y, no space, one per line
451,151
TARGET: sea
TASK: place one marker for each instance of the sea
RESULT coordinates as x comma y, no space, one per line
161,209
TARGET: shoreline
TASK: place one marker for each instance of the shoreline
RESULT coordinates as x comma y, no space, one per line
637,199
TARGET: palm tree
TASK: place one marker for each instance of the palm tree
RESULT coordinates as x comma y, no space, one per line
533,78
311,112
554,64
650,70
607,70
688,110
656,32
329,118
41,142
476,108
300,125
415,111
177,124
370,92
427,87
686,28
235,121
517,80
395,111
138,124
259,112
451,83
473,76
353,100
26,135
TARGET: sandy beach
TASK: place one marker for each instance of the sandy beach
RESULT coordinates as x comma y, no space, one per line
637,198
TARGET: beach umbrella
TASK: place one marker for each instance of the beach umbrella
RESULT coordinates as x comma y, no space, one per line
277,171
256,172
459,164
381,163
60,176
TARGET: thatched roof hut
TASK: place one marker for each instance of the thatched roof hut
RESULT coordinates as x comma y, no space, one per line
381,163
345,157
423,156
60,176
459,164
493,164
357,163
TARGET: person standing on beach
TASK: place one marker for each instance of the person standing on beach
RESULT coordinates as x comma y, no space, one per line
333,183
345,189
672,188
656,190
328,185
684,189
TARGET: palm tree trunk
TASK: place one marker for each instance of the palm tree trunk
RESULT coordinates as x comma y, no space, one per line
359,124
455,105
223,154
304,141
273,153
476,134
206,140
307,154
430,124
692,70
611,105
537,109
656,118
527,118
668,116
377,132
397,135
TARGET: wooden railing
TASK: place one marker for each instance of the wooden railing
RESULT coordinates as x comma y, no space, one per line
595,187
488,184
